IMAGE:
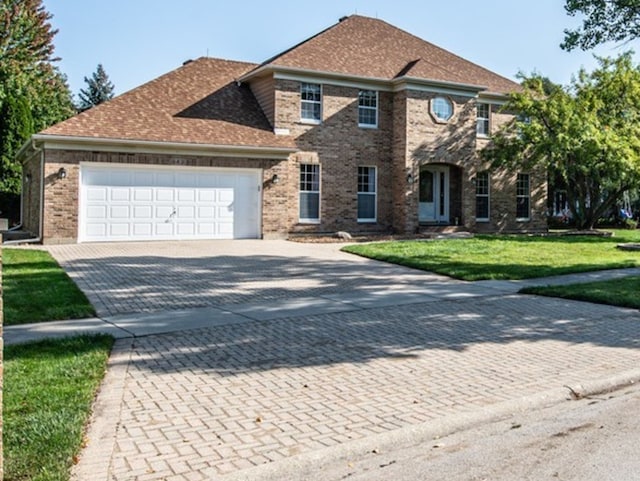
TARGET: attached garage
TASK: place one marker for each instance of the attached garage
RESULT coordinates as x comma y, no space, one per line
130,203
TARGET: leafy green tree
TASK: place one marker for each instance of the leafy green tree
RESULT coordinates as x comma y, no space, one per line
604,21
99,89
28,78
587,133
16,125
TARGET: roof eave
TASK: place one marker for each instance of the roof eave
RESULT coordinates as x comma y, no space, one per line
65,142
396,84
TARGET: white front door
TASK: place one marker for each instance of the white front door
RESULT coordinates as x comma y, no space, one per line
434,195
127,202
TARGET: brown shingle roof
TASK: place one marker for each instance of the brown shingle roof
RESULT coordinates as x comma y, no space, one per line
198,103
368,47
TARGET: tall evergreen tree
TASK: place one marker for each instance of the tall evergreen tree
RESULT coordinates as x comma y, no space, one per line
99,89
29,82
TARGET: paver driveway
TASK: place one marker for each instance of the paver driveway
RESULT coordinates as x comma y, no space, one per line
123,278
206,403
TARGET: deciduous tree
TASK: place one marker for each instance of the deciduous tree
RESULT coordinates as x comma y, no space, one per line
28,79
604,21
587,133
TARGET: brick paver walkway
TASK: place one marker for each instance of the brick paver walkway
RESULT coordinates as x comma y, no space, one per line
203,403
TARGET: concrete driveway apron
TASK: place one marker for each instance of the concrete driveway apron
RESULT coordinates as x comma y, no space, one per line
403,348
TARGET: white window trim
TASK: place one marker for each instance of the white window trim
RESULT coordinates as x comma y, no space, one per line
311,121
488,196
487,119
528,196
437,119
319,192
368,126
375,195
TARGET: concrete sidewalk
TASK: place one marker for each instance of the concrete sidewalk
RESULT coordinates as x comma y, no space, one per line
161,322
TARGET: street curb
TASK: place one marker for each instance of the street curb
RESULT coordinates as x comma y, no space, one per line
95,459
303,466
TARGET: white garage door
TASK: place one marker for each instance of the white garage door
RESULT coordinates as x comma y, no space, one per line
120,203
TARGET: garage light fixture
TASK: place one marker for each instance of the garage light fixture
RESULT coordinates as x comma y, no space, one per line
62,173
275,179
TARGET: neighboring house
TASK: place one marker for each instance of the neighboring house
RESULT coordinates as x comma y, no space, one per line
363,128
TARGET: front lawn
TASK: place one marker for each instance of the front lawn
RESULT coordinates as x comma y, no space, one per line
507,256
49,387
36,289
616,292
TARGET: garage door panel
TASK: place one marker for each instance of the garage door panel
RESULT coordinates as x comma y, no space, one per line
164,195
164,230
186,212
143,194
143,203
119,230
119,212
206,195
120,194
140,229
142,211
208,212
186,195
97,194
96,229
97,212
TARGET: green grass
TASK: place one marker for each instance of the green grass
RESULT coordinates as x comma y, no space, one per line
506,256
36,289
616,292
48,390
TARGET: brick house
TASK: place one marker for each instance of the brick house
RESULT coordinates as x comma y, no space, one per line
363,127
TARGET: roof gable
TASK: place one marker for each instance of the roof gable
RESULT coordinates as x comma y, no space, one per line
366,47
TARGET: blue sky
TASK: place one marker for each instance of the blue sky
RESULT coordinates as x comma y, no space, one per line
138,40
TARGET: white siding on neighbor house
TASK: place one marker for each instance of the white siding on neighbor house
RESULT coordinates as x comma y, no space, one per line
124,202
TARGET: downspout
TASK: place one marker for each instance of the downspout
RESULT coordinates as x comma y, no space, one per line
39,238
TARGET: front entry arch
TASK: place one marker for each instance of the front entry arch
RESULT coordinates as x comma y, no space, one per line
434,192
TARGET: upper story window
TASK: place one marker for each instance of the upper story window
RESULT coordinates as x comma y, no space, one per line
368,108
483,122
310,102
441,108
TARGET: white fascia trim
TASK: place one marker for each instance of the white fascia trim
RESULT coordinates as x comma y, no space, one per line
62,142
493,98
335,79
437,86
374,83
320,77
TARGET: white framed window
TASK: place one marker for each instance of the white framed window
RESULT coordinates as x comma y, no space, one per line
367,194
482,196
309,211
368,108
484,120
311,103
441,108
523,197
